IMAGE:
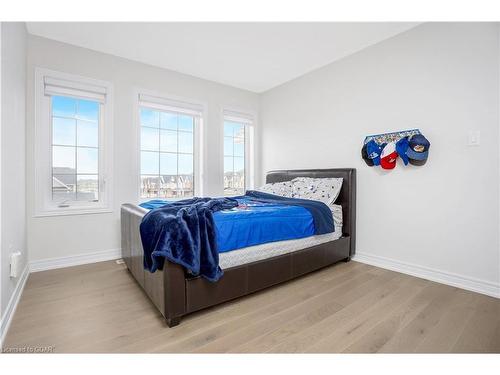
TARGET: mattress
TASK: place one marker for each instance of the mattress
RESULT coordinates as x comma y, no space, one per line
272,249
268,250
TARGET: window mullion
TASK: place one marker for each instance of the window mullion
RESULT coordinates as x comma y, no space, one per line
177,159
244,176
158,195
234,173
76,151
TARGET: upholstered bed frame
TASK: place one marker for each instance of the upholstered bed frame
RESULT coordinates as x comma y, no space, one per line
176,294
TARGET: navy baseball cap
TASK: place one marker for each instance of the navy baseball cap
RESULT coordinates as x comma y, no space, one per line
365,157
373,150
418,149
401,148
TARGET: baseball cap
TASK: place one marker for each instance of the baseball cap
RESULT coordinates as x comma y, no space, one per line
373,151
364,155
401,147
389,156
418,149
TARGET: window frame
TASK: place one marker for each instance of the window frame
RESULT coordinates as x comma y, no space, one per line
44,206
170,103
248,118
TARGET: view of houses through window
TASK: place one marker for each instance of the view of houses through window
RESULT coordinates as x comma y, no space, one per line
167,154
75,149
234,158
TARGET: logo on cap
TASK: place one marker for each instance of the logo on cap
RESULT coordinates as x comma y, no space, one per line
373,151
418,150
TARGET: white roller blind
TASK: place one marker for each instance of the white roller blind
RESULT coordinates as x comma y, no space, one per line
170,105
62,87
245,118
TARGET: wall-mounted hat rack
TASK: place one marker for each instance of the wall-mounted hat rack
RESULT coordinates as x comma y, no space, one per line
391,137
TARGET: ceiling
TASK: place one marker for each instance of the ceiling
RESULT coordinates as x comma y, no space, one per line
250,56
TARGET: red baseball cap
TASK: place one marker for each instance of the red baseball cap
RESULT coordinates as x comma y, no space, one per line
389,156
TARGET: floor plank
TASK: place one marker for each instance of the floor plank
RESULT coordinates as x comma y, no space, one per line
481,333
341,337
349,307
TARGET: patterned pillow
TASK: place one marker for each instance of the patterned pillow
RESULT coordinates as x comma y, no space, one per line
325,190
283,189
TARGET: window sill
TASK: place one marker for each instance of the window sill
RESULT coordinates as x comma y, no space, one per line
73,211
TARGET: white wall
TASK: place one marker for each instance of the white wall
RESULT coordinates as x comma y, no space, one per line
13,149
63,236
442,78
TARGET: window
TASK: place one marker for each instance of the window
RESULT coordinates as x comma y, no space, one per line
168,138
75,149
237,137
72,168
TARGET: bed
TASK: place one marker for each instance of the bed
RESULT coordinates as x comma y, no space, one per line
176,293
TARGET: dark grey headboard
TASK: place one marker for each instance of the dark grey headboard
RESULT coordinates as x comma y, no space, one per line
347,196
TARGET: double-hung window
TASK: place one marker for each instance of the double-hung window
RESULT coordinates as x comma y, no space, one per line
168,148
72,144
238,134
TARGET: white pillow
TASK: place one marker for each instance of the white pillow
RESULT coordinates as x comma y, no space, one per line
325,190
283,189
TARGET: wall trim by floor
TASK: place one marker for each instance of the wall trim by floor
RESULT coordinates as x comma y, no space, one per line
448,278
75,260
12,305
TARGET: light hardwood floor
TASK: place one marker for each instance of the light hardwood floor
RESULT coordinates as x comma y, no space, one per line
349,307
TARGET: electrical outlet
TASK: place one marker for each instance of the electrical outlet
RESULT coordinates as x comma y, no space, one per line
15,264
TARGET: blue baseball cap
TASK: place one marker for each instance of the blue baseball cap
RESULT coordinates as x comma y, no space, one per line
418,149
401,148
374,151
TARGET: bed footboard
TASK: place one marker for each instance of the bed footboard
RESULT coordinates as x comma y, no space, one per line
166,288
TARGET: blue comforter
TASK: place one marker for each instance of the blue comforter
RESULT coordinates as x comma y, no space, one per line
227,224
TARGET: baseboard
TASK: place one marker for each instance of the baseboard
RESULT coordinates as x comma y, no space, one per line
12,305
75,260
462,282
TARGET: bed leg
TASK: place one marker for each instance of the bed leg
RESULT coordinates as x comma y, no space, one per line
348,259
172,322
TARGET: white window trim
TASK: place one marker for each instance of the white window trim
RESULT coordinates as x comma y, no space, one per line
173,103
43,156
249,118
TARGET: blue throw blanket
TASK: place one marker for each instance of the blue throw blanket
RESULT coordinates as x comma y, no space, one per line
184,233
